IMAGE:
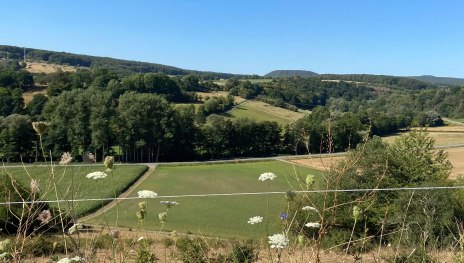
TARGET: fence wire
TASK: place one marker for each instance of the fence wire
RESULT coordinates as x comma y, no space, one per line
243,194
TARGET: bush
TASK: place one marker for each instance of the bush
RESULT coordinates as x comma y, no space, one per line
192,250
45,246
243,253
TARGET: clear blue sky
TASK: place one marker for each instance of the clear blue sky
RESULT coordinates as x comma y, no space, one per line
395,37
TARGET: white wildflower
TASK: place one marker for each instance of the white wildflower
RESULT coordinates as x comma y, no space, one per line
309,208
34,186
66,158
255,220
73,229
313,224
278,241
267,176
147,194
169,204
70,260
96,175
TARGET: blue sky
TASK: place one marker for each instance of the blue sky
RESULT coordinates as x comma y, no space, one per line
390,37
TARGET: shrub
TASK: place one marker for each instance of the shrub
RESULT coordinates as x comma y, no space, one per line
243,253
192,250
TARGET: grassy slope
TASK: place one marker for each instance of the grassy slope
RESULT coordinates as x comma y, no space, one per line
261,111
73,177
445,135
225,216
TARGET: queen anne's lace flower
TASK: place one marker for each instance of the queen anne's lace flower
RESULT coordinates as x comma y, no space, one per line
267,176
66,158
309,208
313,224
147,194
73,229
97,175
255,220
278,241
70,260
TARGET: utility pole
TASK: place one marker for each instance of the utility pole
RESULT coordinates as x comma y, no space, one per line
24,55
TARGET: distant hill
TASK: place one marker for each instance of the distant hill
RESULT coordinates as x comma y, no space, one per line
290,73
120,66
383,80
440,81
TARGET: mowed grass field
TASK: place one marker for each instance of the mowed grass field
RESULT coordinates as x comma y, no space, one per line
221,216
443,136
72,183
261,111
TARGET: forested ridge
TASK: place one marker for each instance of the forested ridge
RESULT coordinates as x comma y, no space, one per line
136,116
119,66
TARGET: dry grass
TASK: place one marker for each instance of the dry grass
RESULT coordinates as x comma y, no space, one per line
323,163
42,67
445,135
455,156
27,95
220,246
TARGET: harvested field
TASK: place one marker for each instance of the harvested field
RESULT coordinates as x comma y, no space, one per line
42,67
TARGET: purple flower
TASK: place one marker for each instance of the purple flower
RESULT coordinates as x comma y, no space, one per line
283,216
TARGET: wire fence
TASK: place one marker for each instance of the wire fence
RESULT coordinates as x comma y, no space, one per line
393,189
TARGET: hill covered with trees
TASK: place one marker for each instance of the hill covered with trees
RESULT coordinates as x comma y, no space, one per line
119,66
440,81
290,73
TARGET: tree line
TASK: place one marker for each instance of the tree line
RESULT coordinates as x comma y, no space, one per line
135,116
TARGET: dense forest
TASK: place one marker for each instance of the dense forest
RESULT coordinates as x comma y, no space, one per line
138,118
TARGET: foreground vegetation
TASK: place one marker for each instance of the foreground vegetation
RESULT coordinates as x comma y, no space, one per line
380,195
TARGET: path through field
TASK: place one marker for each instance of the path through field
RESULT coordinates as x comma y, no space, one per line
110,205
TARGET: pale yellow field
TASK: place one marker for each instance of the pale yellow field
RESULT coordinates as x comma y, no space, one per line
42,67
322,164
455,156
446,135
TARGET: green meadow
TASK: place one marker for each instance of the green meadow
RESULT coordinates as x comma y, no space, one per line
261,111
221,216
71,183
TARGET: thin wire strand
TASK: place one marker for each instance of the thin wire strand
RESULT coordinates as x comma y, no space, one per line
244,194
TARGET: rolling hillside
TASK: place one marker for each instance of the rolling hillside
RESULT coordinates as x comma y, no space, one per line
440,81
120,66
